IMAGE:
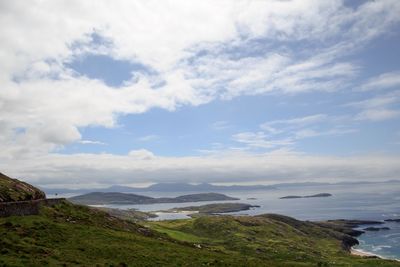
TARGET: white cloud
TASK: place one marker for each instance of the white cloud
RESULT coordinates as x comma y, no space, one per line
259,140
147,138
378,108
378,114
141,154
220,125
284,134
296,122
105,169
91,142
383,81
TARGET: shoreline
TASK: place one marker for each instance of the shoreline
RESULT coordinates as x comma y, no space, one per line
362,253
366,254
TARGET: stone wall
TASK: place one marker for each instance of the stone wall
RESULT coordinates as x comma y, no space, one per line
22,208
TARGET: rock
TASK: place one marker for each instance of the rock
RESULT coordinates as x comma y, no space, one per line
12,190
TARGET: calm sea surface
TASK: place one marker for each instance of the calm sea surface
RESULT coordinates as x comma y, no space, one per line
367,201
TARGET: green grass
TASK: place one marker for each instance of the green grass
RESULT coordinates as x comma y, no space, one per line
71,235
279,239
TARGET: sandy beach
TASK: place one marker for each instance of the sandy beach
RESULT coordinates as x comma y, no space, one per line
362,253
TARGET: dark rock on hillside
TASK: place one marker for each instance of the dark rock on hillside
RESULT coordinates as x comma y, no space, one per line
347,226
354,223
15,190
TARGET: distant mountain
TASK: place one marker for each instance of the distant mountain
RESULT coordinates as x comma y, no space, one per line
203,187
102,198
163,187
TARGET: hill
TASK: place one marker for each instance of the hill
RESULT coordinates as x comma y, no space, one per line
100,198
16,190
73,235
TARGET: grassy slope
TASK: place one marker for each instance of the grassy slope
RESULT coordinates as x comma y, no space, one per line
69,235
275,238
15,190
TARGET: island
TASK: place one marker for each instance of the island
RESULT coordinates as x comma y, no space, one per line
216,208
375,229
100,198
392,220
316,195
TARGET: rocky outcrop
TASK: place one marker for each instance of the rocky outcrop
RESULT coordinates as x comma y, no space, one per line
12,190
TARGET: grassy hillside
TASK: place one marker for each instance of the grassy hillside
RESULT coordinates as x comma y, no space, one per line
274,238
71,235
16,190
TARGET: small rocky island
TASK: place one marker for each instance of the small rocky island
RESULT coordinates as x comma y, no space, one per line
316,195
375,229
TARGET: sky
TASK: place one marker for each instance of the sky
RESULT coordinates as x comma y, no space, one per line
97,93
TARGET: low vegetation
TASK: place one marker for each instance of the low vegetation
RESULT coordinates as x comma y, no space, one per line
73,235
16,190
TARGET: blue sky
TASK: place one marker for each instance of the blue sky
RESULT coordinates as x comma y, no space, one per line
228,92
192,130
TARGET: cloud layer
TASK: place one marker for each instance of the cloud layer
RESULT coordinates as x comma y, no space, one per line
194,53
142,166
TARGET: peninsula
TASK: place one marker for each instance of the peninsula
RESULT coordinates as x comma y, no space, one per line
100,198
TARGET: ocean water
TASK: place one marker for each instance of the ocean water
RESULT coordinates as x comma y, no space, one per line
385,243
378,201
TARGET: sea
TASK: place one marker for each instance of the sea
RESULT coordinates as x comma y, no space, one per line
369,201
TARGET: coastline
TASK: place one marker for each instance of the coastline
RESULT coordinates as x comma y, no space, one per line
366,254
362,253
